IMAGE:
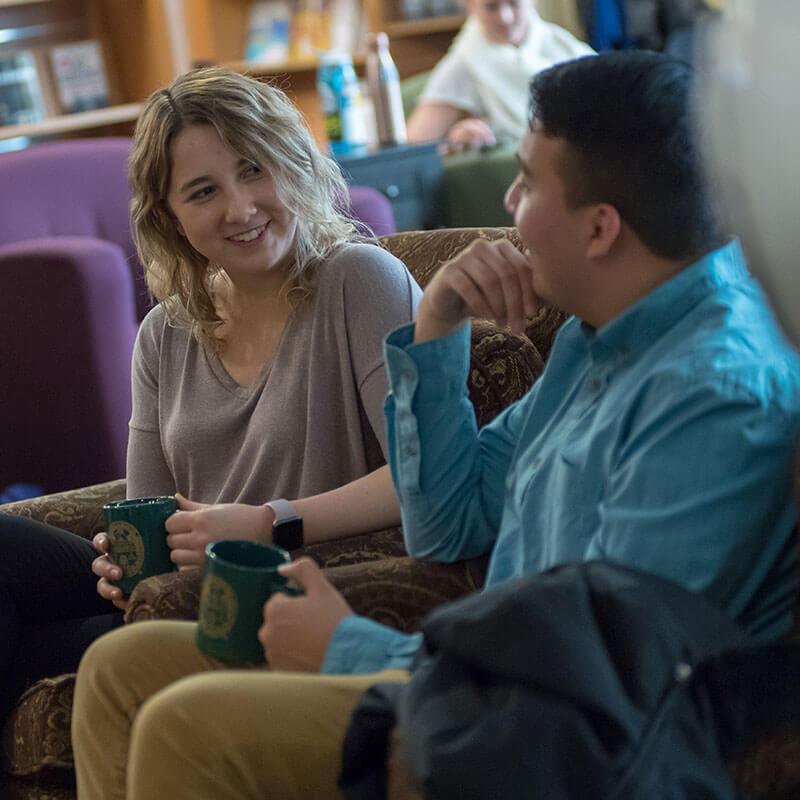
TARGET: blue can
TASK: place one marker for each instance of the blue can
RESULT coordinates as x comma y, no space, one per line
342,104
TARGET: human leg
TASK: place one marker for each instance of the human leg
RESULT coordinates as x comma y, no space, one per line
245,735
49,608
118,673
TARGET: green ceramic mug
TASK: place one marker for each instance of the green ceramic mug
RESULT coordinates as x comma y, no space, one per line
138,539
240,577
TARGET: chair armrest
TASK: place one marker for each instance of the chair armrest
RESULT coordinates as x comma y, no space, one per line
399,592
365,547
66,409
78,510
174,595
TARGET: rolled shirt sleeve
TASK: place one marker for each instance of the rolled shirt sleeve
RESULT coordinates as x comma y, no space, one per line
450,478
360,646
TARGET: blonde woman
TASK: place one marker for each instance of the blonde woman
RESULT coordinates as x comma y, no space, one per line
259,375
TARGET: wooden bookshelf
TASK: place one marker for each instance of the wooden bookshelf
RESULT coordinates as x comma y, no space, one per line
145,43
402,29
286,67
139,45
82,121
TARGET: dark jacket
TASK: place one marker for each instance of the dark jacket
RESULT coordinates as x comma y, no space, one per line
587,681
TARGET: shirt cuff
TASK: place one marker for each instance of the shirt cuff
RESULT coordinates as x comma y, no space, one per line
360,646
445,360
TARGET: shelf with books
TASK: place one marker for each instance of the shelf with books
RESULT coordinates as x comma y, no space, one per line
288,67
22,98
399,29
83,70
80,121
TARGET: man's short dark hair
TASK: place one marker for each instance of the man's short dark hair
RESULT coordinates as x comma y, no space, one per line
626,121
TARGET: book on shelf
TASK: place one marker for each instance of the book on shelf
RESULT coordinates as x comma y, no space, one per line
268,32
21,97
310,34
286,30
420,9
79,75
348,26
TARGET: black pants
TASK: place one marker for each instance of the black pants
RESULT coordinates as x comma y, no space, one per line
50,611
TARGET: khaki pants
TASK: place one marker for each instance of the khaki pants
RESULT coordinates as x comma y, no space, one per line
155,718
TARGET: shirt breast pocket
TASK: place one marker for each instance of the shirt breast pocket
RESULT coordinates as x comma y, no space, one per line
579,480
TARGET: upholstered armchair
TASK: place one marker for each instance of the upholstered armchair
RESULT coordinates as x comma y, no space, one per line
372,570
73,296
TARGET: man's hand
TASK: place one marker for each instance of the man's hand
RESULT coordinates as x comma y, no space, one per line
107,573
486,279
197,524
297,630
468,134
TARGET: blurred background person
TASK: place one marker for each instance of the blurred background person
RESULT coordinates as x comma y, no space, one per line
477,94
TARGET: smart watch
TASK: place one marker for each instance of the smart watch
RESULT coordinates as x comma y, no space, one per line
287,529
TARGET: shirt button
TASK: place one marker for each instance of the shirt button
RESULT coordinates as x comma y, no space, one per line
409,451
595,385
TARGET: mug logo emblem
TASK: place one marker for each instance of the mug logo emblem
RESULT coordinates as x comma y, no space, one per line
127,548
218,607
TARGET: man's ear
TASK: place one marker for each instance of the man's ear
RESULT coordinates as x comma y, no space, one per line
604,225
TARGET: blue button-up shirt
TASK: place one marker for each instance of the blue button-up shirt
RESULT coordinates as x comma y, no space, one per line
663,440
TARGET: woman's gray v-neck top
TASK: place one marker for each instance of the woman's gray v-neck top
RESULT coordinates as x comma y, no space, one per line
312,422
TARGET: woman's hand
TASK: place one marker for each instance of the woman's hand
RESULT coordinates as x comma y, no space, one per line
107,573
468,134
297,630
196,525
492,280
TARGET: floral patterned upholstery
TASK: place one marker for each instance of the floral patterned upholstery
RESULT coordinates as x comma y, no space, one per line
78,510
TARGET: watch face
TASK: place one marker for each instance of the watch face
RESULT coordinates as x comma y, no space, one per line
288,534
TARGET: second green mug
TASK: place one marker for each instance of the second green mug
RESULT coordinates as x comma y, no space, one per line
240,577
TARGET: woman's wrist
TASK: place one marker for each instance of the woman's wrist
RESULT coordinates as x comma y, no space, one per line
267,518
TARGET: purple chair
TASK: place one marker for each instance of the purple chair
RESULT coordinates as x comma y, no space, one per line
70,306
71,301
372,210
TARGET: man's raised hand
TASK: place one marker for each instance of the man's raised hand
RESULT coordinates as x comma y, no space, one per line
487,279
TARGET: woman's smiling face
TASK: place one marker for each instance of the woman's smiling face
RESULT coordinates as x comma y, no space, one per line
226,206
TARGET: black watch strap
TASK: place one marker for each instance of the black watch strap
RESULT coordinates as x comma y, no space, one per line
287,529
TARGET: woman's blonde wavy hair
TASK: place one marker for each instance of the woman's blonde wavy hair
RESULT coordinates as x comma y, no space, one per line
259,123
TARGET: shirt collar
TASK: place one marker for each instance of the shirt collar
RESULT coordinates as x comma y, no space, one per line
649,318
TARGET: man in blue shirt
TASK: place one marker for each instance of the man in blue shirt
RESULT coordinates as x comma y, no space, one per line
659,436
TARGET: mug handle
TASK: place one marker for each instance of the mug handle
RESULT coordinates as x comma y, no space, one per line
292,589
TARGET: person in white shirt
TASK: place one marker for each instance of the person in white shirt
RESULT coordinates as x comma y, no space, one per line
477,94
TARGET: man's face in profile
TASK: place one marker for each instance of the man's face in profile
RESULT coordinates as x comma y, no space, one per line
549,227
